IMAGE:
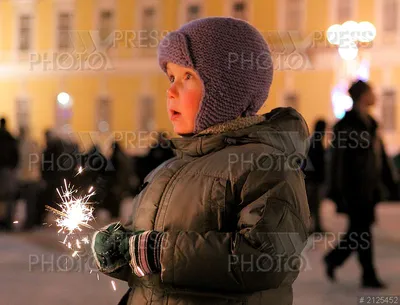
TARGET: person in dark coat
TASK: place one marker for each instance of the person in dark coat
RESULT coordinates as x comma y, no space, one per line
360,168
315,173
9,157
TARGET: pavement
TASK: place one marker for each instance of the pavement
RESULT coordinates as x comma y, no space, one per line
33,268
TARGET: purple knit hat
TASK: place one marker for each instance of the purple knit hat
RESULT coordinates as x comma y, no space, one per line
233,61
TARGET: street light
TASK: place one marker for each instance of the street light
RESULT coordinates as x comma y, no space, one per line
64,99
347,35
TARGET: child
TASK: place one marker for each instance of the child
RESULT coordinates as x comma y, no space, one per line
225,220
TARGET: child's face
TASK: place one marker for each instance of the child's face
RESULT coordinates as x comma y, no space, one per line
183,97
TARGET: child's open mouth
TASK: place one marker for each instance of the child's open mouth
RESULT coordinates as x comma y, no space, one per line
174,115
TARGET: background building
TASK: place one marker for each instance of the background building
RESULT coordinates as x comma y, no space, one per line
89,66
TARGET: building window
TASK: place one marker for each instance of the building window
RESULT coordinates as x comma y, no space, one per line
106,26
389,109
344,10
240,10
291,99
149,19
193,12
25,32
149,25
390,16
103,118
146,115
64,31
294,15
190,10
22,113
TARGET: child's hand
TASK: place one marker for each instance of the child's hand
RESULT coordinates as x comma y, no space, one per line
110,247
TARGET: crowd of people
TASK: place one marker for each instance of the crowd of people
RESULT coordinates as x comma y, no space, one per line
32,175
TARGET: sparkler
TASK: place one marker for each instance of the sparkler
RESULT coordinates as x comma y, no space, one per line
76,211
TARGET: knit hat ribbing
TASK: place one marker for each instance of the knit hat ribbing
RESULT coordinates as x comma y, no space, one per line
233,61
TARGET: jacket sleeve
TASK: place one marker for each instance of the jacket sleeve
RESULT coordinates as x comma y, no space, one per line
261,254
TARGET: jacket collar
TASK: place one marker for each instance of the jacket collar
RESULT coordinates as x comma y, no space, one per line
284,129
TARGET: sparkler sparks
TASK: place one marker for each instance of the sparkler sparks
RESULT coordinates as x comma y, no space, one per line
76,211
113,285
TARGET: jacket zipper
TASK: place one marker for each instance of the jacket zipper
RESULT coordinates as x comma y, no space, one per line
170,184
153,176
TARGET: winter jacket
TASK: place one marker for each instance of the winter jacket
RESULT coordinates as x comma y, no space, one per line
233,209
359,167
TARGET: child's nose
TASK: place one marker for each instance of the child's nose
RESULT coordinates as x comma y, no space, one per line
172,92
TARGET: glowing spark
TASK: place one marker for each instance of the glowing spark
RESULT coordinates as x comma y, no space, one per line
91,189
113,285
75,253
90,272
98,277
69,245
85,240
78,244
15,221
80,170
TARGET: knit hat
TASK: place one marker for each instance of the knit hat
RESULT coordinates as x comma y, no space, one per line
357,89
233,61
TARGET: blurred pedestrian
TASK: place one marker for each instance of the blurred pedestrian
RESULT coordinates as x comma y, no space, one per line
160,151
28,175
9,157
51,174
219,204
359,168
315,174
118,180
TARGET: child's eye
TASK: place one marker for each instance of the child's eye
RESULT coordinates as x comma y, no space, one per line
171,78
188,75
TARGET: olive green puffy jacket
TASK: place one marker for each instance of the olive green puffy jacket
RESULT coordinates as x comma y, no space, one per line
233,207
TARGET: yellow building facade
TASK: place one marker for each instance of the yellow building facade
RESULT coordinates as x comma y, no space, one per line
89,66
